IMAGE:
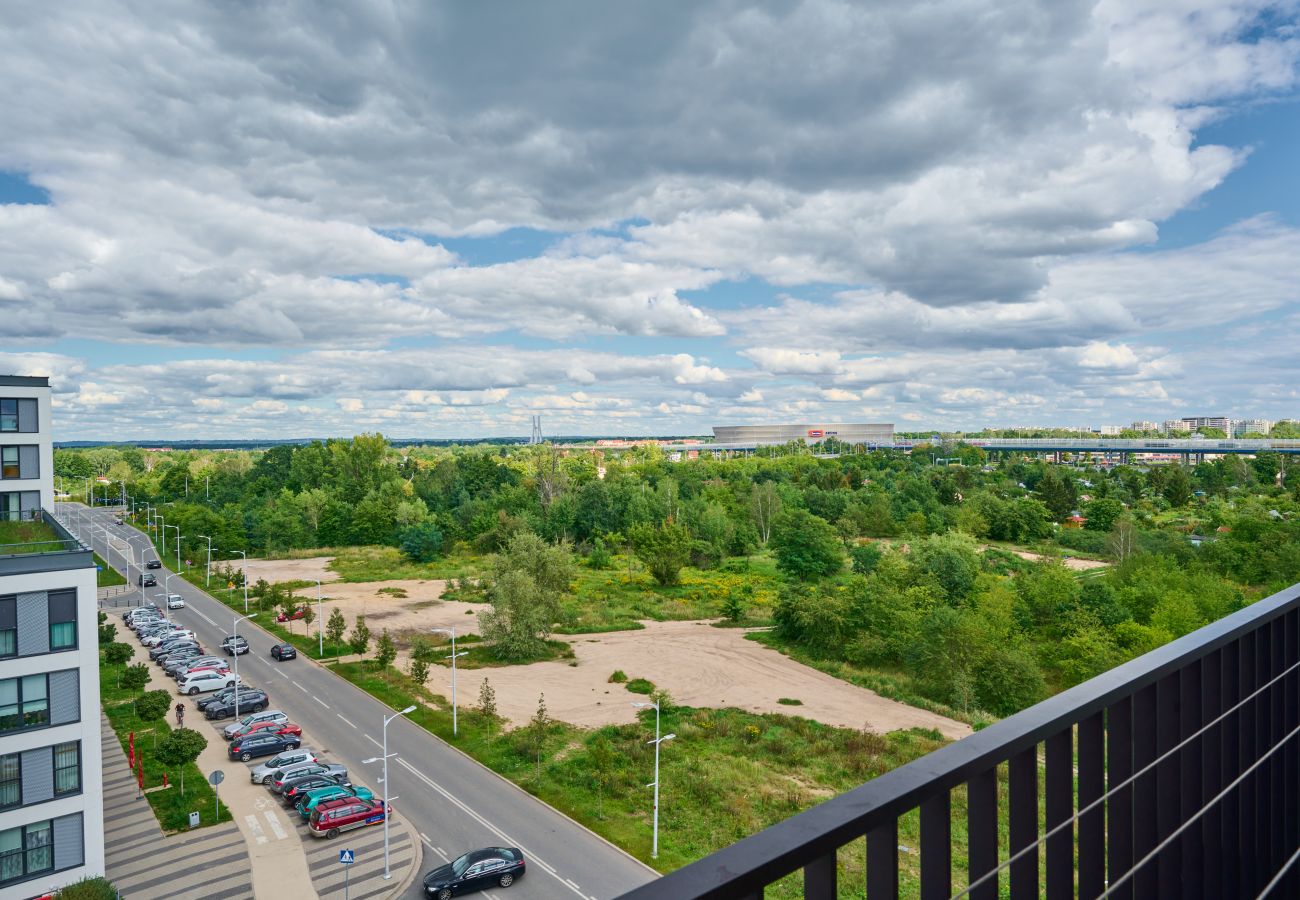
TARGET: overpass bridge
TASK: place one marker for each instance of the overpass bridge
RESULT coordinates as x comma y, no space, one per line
1183,446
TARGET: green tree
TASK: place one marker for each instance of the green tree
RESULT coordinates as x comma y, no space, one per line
953,560
181,748
1177,487
664,549
422,542
805,546
487,705
865,558
135,677
115,654
107,630
1057,492
538,727
335,628
152,705
1102,514
524,586
385,651
360,639
419,671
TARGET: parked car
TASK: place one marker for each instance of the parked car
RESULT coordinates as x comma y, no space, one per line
142,615
225,694
205,668
269,771
175,601
294,616
279,726
283,651
153,564
296,787
170,646
148,579
330,819
475,871
293,773
249,701
168,634
183,659
252,718
263,744
202,682
312,799
234,644
158,628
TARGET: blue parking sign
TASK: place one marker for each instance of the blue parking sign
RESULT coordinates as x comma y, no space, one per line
347,857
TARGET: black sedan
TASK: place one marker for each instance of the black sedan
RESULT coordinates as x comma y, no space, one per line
153,564
476,870
283,651
261,743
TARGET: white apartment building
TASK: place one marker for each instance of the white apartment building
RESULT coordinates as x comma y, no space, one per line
1110,430
51,794
1144,426
1251,426
1196,423
1170,426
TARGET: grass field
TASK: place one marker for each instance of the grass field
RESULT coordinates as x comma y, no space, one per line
171,809
107,576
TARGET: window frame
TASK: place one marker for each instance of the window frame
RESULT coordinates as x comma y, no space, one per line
11,402
58,605
17,780
6,464
20,704
26,849
56,769
9,623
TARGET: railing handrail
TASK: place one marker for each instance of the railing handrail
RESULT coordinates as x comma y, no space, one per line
760,859
67,542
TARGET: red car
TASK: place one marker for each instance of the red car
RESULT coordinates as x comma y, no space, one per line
270,726
296,614
330,818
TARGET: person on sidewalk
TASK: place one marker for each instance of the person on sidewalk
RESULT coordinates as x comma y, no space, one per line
180,715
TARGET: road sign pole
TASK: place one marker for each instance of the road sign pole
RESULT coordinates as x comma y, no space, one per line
347,870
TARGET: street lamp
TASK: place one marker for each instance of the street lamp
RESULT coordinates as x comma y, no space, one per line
452,631
160,533
654,847
320,621
179,564
234,650
243,575
387,799
207,579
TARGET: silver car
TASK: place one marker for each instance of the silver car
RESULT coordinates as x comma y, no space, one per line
265,773
266,715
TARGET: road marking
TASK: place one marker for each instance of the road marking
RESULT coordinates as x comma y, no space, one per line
375,742
280,833
509,842
206,619
256,828
323,703
300,687
345,721
573,884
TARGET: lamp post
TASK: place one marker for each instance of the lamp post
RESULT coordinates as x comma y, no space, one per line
387,799
654,846
179,563
161,533
207,579
234,650
243,575
452,631
167,586
320,621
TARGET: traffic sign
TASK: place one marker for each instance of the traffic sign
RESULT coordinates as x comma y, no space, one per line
216,777
347,857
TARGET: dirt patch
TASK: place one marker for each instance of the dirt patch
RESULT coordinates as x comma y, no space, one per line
273,570
699,665
1071,562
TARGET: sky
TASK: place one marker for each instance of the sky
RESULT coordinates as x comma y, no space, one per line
440,219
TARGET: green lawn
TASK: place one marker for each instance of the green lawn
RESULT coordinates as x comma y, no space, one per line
107,576
28,537
171,809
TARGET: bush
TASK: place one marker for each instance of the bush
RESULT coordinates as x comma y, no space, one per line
664,550
619,677
135,677
865,558
805,546
641,686
600,557
116,654
421,543
153,705
97,888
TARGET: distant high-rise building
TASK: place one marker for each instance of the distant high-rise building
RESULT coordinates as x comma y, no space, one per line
1110,430
1143,425
1196,423
1175,425
1251,426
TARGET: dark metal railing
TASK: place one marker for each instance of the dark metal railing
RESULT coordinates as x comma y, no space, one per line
59,540
1175,774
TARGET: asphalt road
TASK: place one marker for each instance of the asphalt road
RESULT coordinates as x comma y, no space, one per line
455,803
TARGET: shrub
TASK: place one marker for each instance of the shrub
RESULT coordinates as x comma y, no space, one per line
135,677
805,546
664,550
619,677
640,686
116,654
600,557
360,639
97,888
421,543
865,558
153,705
180,748
789,701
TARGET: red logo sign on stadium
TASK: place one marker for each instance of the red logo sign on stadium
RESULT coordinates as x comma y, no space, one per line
814,432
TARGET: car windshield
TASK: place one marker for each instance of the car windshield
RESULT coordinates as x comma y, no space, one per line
459,866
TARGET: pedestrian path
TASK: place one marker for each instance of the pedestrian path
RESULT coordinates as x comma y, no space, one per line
366,876
205,864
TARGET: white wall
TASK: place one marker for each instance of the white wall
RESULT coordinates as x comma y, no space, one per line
44,438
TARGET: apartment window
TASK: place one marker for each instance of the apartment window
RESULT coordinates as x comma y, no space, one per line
11,780
19,505
67,768
26,851
18,415
63,620
24,702
8,626
20,461
9,467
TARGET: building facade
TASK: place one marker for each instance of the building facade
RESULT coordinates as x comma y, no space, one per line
1143,425
1251,426
872,435
1196,423
51,803
1173,426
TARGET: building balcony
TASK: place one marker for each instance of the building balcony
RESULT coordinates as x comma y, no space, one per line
36,541
1176,774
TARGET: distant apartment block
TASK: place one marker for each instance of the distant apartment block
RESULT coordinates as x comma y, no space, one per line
1196,423
1144,426
1251,426
1110,430
877,434
51,813
1170,426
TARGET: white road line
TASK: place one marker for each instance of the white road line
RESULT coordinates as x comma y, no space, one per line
573,884
300,687
321,702
510,842
255,828
206,619
280,833
345,721
375,742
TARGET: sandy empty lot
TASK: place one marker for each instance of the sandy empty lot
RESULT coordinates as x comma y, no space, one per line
274,570
699,665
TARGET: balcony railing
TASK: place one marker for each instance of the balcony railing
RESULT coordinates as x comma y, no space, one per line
1176,774
34,540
